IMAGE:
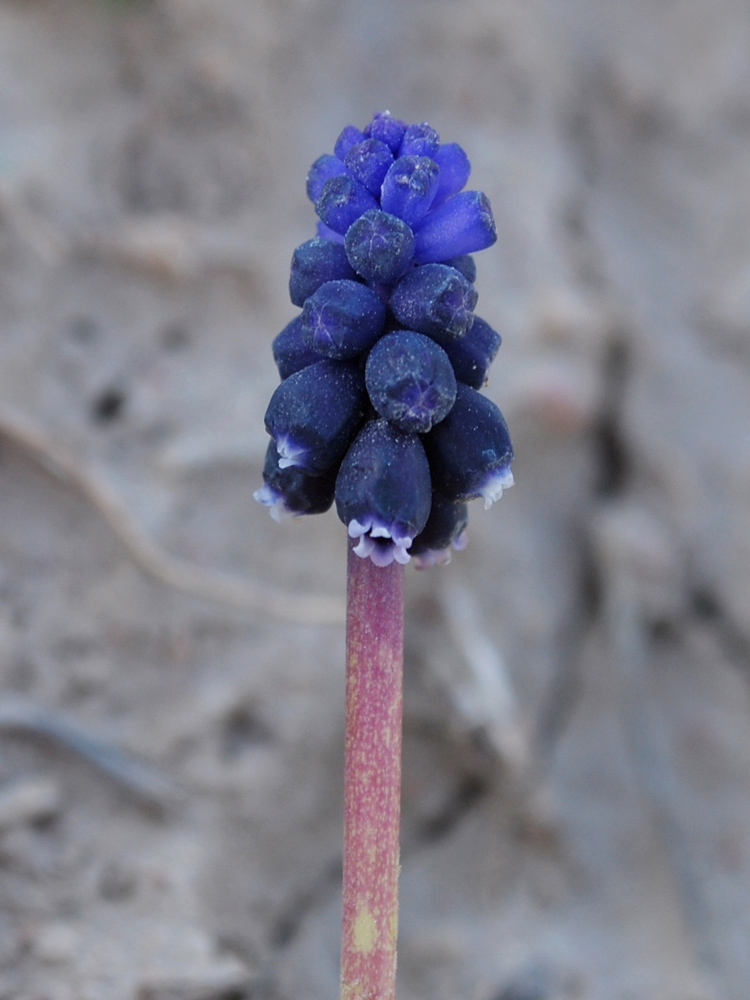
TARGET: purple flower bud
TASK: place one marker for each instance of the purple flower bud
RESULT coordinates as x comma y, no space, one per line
419,140
314,414
314,263
342,319
410,381
324,168
465,264
459,226
342,201
470,451
349,137
379,246
436,300
409,188
454,171
388,129
289,492
290,352
368,163
446,527
383,492
472,355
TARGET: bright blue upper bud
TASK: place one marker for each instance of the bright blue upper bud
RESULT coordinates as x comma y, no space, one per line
461,225
379,246
410,380
342,319
409,187
314,263
419,140
324,168
349,136
436,300
368,163
342,201
387,326
315,413
383,491
388,129
454,171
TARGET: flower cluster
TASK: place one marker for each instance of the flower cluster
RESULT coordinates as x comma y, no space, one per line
378,407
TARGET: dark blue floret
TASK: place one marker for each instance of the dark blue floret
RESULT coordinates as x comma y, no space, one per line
446,527
472,355
342,319
291,492
315,413
410,380
409,188
368,163
460,225
388,129
383,492
454,171
419,140
342,201
324,168
436,300
380,370
290,352
470,451
314,263
379,246
349,137
465,264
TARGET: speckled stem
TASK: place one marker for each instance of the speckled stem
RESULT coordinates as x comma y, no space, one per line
375,654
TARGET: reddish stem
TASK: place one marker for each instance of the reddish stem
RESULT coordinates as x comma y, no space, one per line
372,792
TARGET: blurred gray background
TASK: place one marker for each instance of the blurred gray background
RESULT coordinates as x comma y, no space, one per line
577,738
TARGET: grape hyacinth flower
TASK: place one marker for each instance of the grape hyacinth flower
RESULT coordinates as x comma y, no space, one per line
379,411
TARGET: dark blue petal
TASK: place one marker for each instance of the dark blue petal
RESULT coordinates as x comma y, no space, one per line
419,140
290,491
459,226
379,246
342,319
290,352
368,163
470,451
410,380
454,171
436,300
349,137
342,201
472,355
445,526
314,263
324,168
409,188
383,491
465,264
388,129
315,413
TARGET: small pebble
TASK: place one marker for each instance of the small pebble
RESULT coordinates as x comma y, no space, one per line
29,800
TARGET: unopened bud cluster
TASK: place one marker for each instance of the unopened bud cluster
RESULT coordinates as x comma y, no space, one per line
378,407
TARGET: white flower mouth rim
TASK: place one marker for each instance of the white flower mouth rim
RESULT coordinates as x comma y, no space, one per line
379,542
277,508
290,453
493,486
